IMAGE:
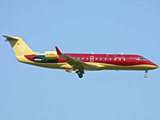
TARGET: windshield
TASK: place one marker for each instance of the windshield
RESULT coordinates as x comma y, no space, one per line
141,58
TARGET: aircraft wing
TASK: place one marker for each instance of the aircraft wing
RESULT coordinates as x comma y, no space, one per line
76,64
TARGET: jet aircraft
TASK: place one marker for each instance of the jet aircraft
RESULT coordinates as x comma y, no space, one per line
78,63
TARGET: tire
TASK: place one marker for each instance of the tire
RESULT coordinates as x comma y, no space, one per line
145,75
80,75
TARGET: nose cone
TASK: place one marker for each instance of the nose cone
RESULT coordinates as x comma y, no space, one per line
154,66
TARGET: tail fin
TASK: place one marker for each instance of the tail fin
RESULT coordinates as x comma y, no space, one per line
18,45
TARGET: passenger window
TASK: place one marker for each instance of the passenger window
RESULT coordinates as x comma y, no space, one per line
115,59
119,59
105,58
100,58
82,58
96,58
124,59
110,59
78,58
86,58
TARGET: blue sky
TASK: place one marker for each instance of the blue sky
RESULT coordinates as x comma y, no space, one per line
30,93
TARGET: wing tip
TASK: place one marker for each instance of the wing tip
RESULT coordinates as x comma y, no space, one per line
58,51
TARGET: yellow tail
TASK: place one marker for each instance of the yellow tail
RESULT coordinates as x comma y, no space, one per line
19,46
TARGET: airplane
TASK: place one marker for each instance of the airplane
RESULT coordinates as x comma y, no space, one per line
78,63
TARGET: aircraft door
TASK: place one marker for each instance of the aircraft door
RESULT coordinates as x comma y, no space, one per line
91,58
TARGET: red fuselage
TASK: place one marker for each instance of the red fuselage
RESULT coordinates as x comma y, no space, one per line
109,59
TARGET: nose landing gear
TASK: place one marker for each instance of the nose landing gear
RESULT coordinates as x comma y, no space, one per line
146,71
80,73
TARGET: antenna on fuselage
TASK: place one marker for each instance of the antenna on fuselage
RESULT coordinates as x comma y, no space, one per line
92,52
121,53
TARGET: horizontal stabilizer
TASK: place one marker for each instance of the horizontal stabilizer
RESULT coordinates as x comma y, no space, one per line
9,38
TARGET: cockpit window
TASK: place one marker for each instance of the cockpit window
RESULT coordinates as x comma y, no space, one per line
141,58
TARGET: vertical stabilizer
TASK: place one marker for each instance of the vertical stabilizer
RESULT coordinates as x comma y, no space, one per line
18,45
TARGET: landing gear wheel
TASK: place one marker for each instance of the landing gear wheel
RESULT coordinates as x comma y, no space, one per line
80,75
145,76
146,71
78,72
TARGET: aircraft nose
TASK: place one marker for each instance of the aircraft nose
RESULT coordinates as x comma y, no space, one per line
154,65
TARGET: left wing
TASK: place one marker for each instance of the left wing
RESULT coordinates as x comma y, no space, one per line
76,64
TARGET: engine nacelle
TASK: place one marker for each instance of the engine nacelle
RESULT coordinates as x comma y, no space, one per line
51,55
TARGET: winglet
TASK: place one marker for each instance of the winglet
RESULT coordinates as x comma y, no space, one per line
58,51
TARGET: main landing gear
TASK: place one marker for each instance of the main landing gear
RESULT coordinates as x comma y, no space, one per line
80,73
146,71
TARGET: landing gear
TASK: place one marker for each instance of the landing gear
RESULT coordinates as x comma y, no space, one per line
146,74
80,73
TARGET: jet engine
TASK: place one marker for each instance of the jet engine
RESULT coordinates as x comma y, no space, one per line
48,55
51,55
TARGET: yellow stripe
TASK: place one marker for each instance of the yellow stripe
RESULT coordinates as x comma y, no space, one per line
101,66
